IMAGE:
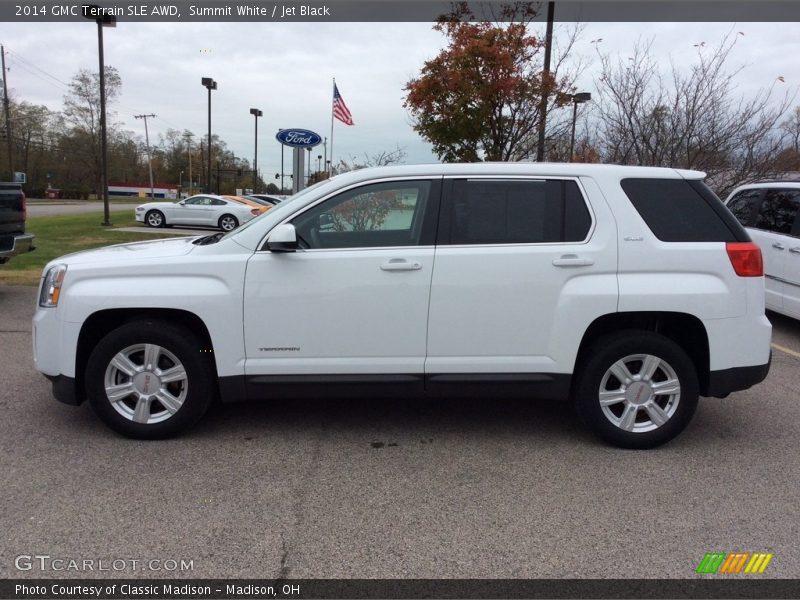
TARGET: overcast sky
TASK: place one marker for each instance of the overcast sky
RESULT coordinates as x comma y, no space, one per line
285,69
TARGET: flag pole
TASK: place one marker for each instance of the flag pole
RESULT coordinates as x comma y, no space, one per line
330,165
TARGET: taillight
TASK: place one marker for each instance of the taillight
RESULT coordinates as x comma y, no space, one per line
745,258
255,211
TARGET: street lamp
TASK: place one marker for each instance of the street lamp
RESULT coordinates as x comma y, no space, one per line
578,98
180,182
256,113
319,159
209,84
94,13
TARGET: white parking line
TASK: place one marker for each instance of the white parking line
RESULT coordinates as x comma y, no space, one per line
786,350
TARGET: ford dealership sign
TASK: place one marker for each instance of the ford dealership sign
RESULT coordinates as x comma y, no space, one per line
299,138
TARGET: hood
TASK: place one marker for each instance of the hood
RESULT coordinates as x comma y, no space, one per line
132,251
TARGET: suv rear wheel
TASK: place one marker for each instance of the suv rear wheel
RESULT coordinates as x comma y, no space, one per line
636,389
149,379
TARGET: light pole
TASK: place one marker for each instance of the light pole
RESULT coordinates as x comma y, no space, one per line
319,162
94,13
578,98
308,177
180,184
545,91
209,84
256,113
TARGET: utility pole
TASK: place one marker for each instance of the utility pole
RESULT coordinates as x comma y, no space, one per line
149,158
8,118
548,44
189,137
202,165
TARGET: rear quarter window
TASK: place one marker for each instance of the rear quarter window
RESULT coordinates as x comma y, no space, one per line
677,210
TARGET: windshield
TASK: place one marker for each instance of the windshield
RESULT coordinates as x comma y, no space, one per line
281,207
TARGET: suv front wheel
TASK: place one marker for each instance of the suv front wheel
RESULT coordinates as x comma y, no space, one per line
636,389
149,379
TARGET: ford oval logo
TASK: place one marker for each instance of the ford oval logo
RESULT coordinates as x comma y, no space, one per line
299,138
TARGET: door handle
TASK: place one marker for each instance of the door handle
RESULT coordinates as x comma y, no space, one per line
400,264
795,250
778,246
572,260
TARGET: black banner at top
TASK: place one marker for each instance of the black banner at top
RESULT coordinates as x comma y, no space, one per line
586,11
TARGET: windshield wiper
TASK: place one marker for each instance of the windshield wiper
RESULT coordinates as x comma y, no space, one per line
209,239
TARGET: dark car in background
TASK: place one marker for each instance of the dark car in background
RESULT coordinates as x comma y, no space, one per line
13,239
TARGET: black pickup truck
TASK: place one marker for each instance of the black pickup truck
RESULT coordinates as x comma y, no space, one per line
13,239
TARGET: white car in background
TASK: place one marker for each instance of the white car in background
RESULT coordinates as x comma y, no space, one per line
770,212
206,210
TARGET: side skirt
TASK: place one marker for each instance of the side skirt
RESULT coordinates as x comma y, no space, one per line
439,385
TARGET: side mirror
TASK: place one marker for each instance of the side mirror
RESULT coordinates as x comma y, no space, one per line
282,239
325,222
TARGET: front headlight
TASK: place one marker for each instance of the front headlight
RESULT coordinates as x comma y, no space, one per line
51,286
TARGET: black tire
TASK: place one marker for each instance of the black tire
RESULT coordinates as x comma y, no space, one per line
228,223
632,418
185,400
155,218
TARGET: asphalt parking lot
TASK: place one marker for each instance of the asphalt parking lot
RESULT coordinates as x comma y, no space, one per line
385,490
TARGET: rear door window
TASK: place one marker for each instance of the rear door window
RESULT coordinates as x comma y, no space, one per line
483,211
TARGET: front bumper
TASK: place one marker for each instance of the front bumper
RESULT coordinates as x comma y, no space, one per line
17,244
65,389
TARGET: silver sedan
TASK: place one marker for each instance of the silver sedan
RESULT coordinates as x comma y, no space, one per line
205,210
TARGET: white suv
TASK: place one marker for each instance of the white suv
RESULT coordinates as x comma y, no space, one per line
771,213
630,290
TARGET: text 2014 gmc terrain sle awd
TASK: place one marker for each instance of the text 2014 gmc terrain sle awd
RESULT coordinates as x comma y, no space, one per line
631,291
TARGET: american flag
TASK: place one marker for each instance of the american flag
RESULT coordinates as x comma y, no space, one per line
340,110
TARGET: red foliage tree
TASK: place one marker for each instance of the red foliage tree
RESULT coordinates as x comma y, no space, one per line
479,99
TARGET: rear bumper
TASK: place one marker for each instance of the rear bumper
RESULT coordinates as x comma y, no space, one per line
17,244
721,383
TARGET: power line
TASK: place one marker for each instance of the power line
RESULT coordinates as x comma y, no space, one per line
27,65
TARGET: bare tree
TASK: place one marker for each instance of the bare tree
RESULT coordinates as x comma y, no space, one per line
82,117
381,159
689,118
